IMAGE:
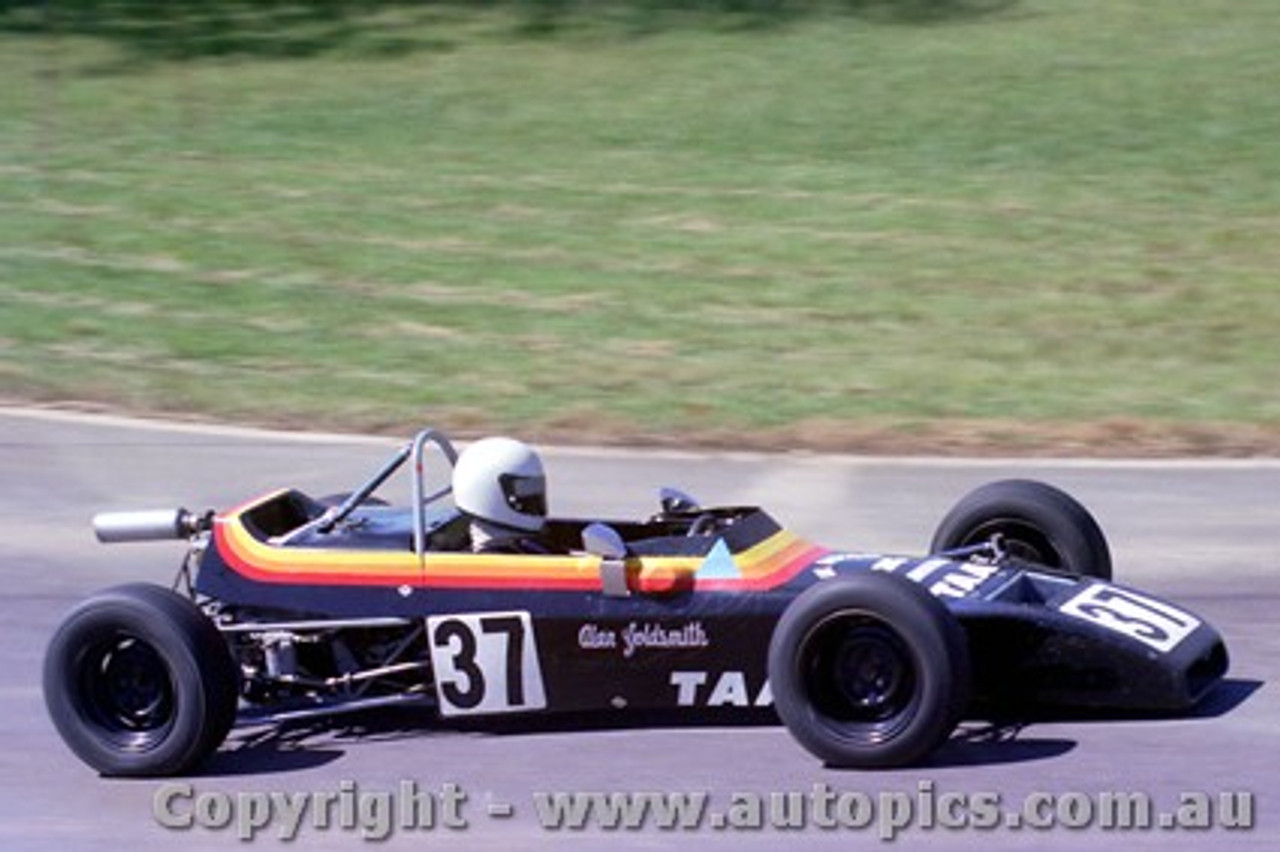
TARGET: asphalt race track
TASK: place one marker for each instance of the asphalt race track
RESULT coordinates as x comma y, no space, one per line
1206,534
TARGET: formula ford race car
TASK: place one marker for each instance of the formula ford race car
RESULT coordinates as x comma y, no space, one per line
289,608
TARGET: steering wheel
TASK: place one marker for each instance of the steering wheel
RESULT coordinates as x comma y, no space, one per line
704,524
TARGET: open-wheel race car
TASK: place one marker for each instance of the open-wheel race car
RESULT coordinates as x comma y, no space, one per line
288,608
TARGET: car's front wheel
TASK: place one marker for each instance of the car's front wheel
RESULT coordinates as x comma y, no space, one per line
139,682
1035,522
869,671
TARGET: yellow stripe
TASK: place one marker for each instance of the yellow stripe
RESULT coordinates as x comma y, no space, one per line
757,561
310,560
761,559
534,566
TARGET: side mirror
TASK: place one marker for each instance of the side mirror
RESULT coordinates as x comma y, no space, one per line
604,541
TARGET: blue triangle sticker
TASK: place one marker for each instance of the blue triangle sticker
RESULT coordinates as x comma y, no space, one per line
719,564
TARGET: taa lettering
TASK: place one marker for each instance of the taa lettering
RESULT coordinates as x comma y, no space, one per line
726,689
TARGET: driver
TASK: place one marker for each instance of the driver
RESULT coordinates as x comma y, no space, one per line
500,485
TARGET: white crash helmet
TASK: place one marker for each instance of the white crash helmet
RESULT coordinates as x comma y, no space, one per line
501,480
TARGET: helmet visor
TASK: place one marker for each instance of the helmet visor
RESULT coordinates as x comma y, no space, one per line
525,494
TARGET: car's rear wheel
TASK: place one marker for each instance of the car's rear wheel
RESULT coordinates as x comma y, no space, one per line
1034,521
139,682
869,671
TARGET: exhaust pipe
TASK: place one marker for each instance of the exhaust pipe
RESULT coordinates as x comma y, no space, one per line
151,525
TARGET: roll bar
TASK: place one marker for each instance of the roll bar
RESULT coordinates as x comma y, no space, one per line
413,452
417,451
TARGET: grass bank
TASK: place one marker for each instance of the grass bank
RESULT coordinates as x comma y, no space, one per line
1024,225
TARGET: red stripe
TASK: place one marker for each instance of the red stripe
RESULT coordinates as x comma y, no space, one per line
778,577
234,555
239,561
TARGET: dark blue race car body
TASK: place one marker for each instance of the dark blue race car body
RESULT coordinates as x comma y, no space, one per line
322,608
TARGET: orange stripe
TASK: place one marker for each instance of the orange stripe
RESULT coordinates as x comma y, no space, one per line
788,564
768,564
265,563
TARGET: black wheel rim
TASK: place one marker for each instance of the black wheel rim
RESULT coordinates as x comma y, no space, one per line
860,677
126,690
1020,539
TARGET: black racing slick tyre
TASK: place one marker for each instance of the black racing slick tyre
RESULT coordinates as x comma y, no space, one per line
139,682
869,671
1037,523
